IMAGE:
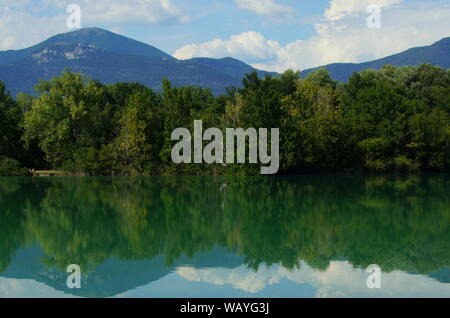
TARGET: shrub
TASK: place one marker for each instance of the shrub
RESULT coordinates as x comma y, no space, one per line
11,167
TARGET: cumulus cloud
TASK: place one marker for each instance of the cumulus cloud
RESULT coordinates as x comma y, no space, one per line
19,29
265,7
350,40
336,40
341,279
250,46
24,23
340,9
130,11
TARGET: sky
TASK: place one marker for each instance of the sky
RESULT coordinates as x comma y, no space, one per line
340,279
272,35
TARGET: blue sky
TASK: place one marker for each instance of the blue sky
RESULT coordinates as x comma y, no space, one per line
340,280
269,34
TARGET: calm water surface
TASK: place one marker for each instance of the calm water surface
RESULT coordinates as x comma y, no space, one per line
306,236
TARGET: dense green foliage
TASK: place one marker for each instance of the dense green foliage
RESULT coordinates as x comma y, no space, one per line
12,151
394,119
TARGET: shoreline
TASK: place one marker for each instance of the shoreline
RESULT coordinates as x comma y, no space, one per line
60,174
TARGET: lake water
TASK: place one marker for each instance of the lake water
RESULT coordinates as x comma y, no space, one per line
303,236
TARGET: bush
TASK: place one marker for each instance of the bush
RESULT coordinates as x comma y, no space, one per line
11,167
402,163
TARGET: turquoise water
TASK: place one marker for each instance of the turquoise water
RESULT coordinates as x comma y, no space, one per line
303,236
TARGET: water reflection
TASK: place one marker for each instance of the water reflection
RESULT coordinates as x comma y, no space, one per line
306,236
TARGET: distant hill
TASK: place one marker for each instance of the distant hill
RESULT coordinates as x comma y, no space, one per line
111,58
113,276
98,38
230,66
436,54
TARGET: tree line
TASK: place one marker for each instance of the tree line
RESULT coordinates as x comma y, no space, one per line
392,119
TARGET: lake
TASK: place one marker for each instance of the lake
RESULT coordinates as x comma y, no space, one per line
299,236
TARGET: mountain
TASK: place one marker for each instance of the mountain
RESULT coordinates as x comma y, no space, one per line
230,66
113,276
98,38
110,58
436,54
442,275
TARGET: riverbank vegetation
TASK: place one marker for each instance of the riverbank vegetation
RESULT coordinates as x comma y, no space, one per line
393,119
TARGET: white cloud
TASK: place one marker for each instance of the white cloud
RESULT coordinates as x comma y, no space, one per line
22,22
249,46
19,29
130,11
27,288
341,279
117,30
265,7
15,3
339,9
336,41
350,40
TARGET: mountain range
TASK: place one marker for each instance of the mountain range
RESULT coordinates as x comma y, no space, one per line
113,276
437,54
110,58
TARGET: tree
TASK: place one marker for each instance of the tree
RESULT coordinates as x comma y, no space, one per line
71,113
11,146
390,119
132,146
